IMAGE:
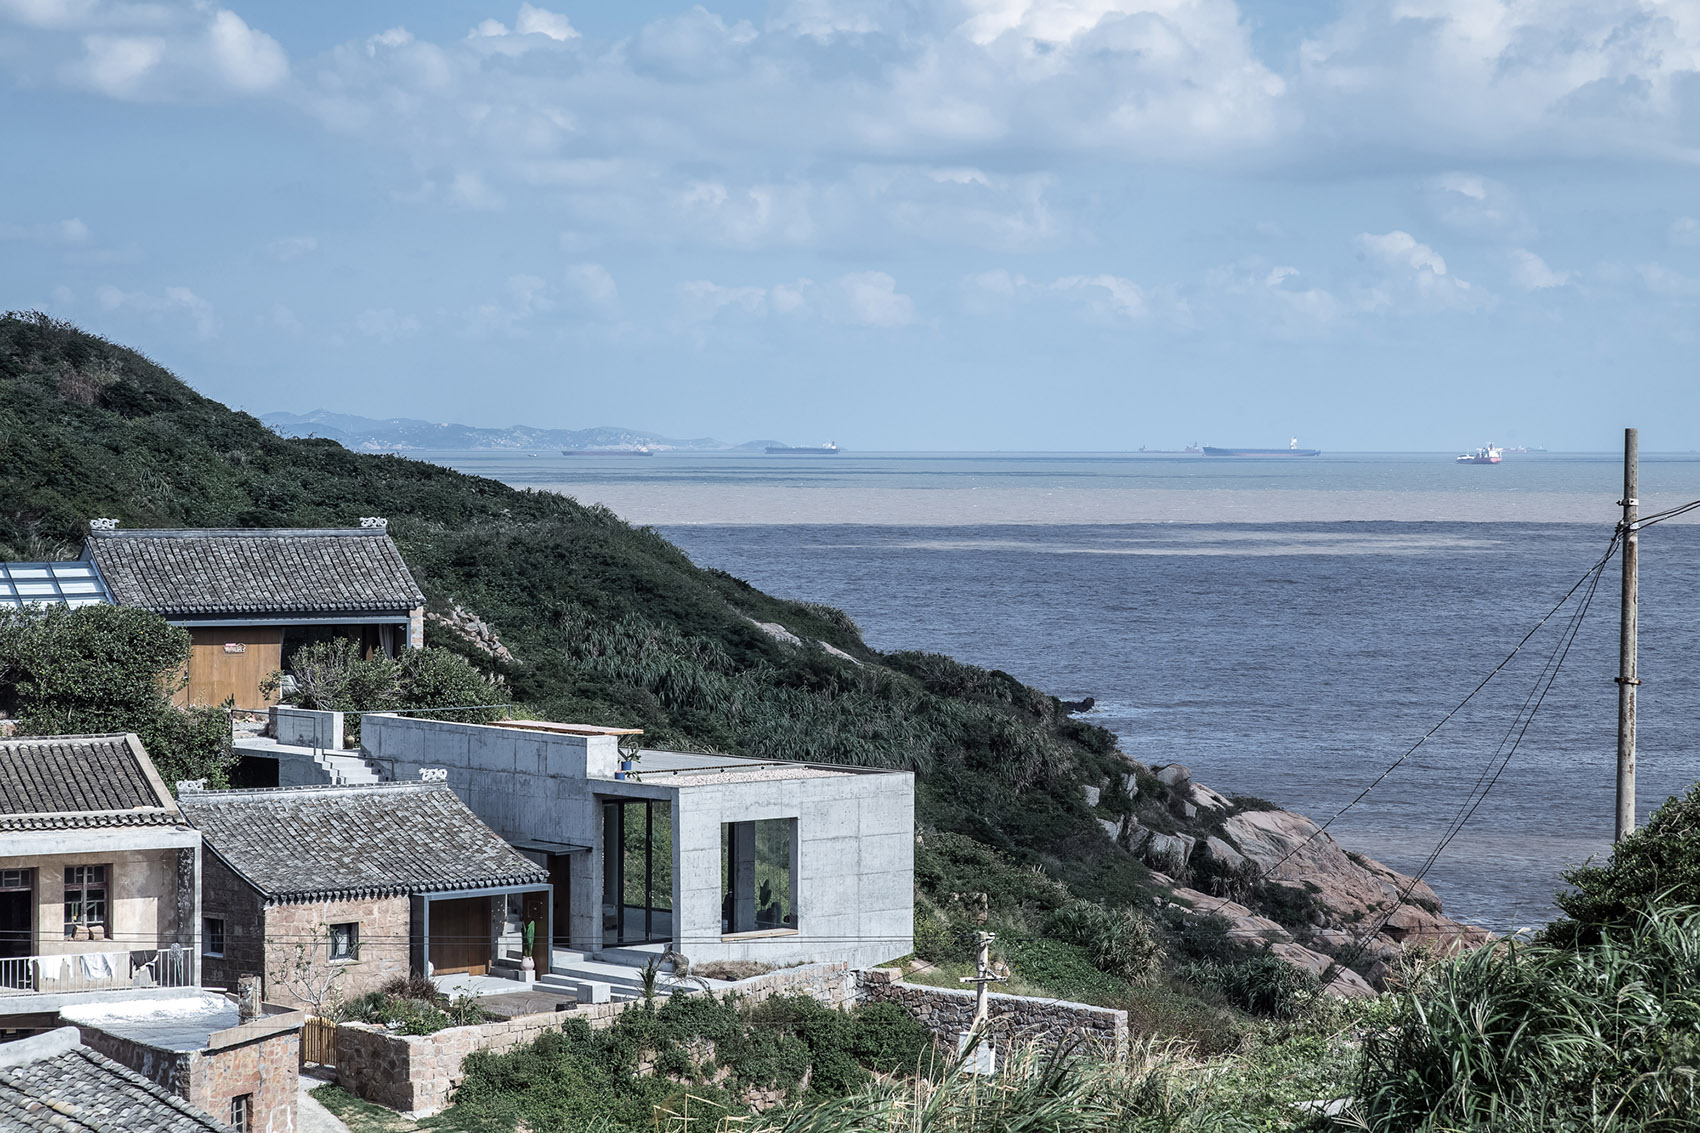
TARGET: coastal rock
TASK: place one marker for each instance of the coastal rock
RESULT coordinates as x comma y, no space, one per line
474,629
1112,827
778,632
1167,852
1223,853
1206,799
1174,775
1093,794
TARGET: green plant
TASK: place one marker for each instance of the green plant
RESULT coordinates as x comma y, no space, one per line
530,935
1119,941
1659,864
1263,984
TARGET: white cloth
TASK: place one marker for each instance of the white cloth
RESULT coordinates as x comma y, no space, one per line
96,966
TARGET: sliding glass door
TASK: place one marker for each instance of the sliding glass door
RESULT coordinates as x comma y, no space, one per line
637,872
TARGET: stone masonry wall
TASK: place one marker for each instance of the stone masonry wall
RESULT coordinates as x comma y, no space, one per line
1015,1020
418,1074
383,954
267,1068
227,897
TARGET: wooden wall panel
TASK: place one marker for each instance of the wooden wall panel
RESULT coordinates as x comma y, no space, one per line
216,673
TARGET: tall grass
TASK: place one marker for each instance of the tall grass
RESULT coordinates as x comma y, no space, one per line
1526,1036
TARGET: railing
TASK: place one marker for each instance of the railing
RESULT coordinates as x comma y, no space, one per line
96,971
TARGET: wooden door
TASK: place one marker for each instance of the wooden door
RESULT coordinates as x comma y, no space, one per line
460,936
231,661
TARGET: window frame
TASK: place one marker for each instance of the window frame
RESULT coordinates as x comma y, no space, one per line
242,1113
207,935
77,881
343,947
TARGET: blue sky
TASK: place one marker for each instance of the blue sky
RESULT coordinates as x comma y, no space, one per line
969,224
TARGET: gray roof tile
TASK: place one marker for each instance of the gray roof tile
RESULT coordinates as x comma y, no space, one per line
317,843
64,782
261,571
60,1086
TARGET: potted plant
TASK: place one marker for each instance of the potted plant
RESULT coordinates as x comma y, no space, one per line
526,963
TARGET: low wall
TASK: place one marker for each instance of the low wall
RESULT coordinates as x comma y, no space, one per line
418,1074
307,727
1014,1020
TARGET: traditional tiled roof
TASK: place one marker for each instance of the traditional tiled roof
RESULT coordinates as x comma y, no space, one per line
263,571
66,782
53,1084
383,839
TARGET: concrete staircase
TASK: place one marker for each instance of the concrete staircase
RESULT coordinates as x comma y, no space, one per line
343,769
568,969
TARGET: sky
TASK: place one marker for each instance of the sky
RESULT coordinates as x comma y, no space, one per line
895,224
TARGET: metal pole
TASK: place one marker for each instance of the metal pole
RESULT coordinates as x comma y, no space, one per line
1626,679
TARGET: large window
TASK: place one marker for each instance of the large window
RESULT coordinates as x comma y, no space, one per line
212,936
758,876
85,900
637,872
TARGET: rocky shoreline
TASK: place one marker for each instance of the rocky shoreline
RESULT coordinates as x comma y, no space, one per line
1276,878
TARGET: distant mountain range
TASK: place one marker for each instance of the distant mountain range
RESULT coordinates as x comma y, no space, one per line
402,434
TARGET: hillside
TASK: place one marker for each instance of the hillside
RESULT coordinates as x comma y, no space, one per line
611,624
401,434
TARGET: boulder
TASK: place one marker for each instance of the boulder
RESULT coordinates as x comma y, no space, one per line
1112,827
1222,853
1093,794
1206,799
1173,775
1167,852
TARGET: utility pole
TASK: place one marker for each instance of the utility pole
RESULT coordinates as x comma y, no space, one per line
1627,682
983,1061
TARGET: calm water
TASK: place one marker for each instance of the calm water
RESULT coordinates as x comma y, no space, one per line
1295,628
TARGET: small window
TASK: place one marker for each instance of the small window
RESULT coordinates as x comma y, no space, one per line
242,1113
14,881
212,936
345,941
85,898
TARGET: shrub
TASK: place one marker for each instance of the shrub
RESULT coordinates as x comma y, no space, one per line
1658,864
1537,1036
1263,984
1120,941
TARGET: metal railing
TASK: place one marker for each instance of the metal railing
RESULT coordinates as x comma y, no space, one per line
116,970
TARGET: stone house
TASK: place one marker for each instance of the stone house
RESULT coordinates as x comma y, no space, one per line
248,598
718,857
99,877
332,892
51,1082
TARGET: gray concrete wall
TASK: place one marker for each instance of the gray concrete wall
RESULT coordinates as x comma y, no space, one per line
854,854
307,727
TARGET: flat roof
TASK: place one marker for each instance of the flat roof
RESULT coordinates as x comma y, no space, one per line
565,729
180,1024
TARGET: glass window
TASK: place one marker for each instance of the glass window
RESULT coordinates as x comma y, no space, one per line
212,936
242,1112
757,885
637,872
85,898
14,880
345,941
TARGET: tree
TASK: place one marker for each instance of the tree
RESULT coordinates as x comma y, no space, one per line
102,669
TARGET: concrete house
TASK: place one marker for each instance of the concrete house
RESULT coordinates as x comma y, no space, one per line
334,891
717,857
99,877
247,597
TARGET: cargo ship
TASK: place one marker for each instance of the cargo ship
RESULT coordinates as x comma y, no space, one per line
1487,454
1292,449
828,449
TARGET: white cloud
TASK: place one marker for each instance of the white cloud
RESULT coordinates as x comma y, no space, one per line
69,231
292,247
1105,295
872,299
285,319
249,60
386,325
173,300
117,65
1531,273
1667,284
63,296
1684,232
1410,276
540,21
701,300
398,36
1476,206
593,284
470,190
523,296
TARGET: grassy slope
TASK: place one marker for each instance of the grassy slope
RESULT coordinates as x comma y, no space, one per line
610,623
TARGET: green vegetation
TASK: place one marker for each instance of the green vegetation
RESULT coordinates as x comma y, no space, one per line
715,1056
1658,864
411,1006
333,675
103,669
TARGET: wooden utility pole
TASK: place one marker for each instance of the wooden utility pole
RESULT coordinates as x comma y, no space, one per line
982,1060
1627,682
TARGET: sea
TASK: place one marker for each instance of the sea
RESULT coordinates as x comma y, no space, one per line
1288,628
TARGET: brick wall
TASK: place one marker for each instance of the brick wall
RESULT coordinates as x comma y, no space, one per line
228,897
296,933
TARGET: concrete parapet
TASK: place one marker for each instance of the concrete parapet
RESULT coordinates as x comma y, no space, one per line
307,727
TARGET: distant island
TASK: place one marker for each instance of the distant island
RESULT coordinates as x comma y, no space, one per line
404,434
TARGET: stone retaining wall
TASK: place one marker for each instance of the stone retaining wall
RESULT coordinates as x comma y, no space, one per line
417,1074
1015,1020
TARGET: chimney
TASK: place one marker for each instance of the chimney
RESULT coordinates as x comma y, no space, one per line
248,999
